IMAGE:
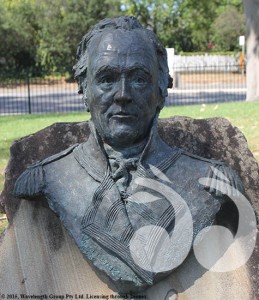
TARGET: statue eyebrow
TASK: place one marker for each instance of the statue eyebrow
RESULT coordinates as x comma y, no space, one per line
117,69
108,68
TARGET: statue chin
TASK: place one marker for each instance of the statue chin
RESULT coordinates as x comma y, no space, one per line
123,141
122,137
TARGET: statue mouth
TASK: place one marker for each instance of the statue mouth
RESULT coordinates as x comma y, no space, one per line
121,115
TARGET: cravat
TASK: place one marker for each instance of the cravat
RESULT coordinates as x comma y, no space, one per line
121,172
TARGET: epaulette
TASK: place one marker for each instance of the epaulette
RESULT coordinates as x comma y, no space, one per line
54,157
212,161
220,179
31,182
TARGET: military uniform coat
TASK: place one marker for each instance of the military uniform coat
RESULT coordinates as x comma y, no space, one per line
79,187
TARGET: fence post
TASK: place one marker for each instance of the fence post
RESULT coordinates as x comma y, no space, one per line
28,86
176,78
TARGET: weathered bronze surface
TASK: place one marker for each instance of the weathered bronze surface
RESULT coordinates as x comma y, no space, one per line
123,75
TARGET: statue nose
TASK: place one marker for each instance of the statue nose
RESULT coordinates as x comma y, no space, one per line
123,94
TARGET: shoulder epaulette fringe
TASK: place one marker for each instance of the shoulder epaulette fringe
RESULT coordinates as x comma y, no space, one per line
57,156
222,180
31,182
213,161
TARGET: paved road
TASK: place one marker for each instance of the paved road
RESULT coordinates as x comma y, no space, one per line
67,100
41,103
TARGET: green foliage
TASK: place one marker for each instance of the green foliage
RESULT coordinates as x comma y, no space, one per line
227,27
18,33
189,25
211,53
161,16
66,21
156,15
197,17
45,34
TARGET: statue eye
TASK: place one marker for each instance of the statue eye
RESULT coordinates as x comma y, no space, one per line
140,78
107,79
139,81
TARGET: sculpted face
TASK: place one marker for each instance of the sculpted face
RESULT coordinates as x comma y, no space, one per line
122,86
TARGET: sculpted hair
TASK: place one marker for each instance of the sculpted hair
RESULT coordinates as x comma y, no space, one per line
124,23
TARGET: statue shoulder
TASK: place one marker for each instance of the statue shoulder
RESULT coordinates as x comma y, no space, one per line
219,178
202,159
31,182
56,157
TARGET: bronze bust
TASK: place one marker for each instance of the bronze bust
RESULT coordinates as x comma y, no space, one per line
93,187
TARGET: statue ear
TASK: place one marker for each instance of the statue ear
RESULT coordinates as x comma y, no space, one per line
161,103
85,98
170,82
86,102
87,107
161,98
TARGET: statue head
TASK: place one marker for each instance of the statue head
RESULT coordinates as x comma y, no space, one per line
123,75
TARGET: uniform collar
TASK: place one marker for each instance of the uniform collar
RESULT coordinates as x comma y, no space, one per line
92,156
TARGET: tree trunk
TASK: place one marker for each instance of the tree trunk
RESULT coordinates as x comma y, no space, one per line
252,70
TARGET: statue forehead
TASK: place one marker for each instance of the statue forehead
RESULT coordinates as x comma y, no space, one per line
119,42
123,49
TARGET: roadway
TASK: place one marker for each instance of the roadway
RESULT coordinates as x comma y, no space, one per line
43,101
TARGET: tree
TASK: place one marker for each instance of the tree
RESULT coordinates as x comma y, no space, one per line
252,70
65,23
186,25
198,17
153,14
45,34
18,33
227,27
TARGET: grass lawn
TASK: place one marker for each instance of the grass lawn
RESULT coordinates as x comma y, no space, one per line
244,115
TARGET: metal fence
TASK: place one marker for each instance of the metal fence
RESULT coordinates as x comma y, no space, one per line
23,93
198,85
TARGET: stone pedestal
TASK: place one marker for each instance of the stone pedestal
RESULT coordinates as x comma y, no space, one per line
38,257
